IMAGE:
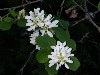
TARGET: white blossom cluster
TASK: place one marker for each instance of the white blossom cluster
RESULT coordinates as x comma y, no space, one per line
61,55
21,14
39,24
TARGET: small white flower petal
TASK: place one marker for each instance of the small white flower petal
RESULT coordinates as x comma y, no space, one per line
37,47
43,32
29,24
66,66
57,67
28,17
49,33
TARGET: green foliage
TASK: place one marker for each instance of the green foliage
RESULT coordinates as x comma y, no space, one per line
8,19
61,34
51,70
42,55
69,3
71,43
21,22
64,24
99,5
45,42
74,66
12,12
5,25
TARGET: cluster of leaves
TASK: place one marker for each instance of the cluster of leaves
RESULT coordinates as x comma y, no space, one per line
9,19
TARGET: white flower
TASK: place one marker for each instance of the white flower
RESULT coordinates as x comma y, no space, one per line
33,37
21,14
33,20
47,25
61,55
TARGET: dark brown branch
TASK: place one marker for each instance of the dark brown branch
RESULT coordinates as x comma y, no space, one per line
21,5
62,6
31,53
92,4
88,15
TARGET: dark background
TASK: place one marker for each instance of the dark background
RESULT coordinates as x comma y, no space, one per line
15,47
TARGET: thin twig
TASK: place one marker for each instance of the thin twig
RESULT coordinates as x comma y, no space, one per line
92,4
21,5
94,24
85,6
31,53
88,15
85,36
78,6
96,12
78,22
61,6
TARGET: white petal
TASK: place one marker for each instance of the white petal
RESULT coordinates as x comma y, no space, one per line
64,43
69,50
51,64
28,17
37,47
31,13
52,47
55,21
29,24
29,21
29,29
43,32
48,17
49,33
70,61
41,25
66,66
58,42
57,66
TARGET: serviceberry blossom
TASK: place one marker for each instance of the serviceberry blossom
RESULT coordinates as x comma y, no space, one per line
45,29
38,20
61,55
33,37
21,14
33,20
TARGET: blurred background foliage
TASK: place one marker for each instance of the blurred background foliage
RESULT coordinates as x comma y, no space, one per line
15,47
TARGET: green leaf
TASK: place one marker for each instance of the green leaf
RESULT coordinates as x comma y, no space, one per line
12,12
8,19
51,70
71,43
99,5
5,25
61,34
64,24
45,42
75,65
68,3
21,23
42,55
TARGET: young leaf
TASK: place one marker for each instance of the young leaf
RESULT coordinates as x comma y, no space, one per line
45,42
71,43
21,23
8,19
74,66
99,5
61,34
5,25
42,55
51,70
64,24
12,12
